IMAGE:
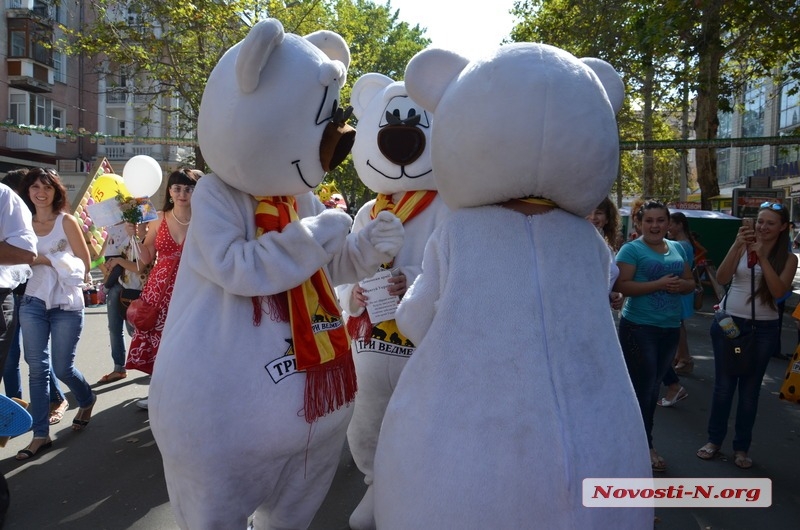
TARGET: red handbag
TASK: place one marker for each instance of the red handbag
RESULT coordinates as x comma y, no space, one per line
141,315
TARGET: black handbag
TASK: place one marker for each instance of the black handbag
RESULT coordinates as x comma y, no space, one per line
738,357
126,296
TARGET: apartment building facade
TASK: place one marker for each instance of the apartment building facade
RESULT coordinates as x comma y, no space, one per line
68,112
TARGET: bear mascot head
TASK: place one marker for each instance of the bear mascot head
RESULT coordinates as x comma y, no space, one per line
254,319
392,157
487,427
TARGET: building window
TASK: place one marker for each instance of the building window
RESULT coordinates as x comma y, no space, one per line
755,98
790,105
30,40
25,108
58,118
18,108
723,155
60,67
753,116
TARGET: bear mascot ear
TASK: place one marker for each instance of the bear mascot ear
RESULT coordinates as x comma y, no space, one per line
365,89
255,51
610,79
332,45
429,73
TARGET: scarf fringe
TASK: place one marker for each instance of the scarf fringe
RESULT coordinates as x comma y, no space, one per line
329,387
277,308
360,327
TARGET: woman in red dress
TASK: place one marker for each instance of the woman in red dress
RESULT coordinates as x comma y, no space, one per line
163,243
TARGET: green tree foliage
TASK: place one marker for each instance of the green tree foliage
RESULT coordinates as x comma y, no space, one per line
628,35
173,45
666,50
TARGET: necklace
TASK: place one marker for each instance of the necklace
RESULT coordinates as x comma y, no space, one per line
179,221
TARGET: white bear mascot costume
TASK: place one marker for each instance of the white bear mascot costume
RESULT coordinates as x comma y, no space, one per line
249,391
490,425
392,156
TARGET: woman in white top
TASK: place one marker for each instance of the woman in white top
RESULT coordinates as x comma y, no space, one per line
763,253
51,311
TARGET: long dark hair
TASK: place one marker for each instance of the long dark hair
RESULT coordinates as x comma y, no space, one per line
612,222
681,219
45,176
185,176
777,256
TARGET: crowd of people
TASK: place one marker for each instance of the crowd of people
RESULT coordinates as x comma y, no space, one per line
652,286
658,278
42,284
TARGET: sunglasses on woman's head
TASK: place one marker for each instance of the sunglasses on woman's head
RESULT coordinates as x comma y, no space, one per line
772,206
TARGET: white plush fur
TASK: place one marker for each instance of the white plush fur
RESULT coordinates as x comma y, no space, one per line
517,390
230,430
372,97
512,124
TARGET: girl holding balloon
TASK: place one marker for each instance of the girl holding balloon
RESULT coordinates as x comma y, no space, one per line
162,245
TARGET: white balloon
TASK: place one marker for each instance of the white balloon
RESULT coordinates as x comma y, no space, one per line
142,176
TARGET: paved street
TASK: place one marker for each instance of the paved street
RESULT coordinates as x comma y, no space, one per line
110,477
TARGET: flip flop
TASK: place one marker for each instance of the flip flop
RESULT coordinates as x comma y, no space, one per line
110,378
707,452
741,460
657,463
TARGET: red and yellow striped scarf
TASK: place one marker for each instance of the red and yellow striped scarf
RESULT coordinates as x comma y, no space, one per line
320,340
411,204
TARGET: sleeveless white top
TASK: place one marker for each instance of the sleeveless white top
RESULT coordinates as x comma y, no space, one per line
59,284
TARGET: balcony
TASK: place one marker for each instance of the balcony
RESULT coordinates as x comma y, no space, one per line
118,151
30,54
33,143
44,10
30,75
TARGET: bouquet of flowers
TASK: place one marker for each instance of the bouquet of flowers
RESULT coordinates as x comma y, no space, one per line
131,208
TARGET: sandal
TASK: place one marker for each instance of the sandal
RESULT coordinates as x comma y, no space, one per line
57,412
656,462
741,460
708,451
113,376
81,420
684,367
680,395
28,453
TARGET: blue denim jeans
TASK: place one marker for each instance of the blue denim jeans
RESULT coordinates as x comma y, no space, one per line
116,320
50,333
749,386
11,374
648,352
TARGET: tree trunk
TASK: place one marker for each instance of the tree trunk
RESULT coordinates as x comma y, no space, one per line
710,52
648,170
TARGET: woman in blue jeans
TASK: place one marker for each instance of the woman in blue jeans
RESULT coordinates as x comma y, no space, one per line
11,374
653,274
118,251
51,311
774,271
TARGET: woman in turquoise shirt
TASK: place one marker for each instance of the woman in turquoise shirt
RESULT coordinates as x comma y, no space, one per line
653,274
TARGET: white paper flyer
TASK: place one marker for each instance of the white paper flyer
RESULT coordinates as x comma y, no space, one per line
381,306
